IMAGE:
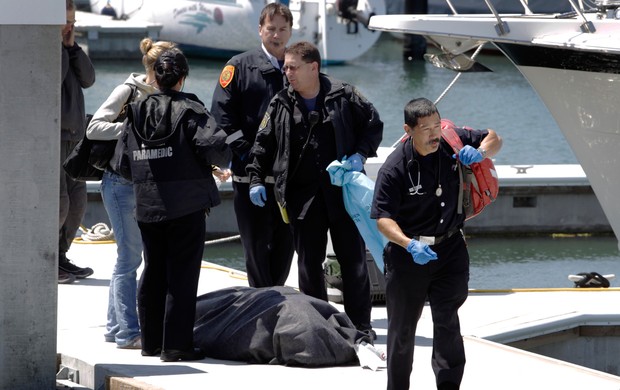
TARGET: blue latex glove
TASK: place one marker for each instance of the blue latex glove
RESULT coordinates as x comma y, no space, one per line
356,161
258,195
469,155
421,253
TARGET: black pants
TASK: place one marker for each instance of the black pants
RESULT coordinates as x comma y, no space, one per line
72,203
311,244
167,292
267,241
445,282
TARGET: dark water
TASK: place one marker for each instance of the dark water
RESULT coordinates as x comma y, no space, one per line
504,263
501,100
539,262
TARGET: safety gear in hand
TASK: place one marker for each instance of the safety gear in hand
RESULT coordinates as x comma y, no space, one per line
258,195
421,253
356,161
469,155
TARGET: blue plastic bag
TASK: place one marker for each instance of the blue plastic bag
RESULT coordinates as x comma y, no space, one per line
357,191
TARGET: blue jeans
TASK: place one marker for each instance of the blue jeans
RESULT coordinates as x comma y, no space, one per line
119,201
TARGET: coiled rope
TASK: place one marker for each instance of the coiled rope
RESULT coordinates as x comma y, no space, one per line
100,233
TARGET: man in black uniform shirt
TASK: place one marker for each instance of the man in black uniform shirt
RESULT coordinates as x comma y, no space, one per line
246,85
415,204
315,121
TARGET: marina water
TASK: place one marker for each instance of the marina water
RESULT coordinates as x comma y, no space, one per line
501,100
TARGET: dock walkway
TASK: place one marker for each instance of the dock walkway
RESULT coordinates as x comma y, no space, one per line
500,316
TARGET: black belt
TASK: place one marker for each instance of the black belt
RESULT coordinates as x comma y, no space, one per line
434,240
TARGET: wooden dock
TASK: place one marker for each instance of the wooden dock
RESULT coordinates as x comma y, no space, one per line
571,336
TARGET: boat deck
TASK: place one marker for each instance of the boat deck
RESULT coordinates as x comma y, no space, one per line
502,316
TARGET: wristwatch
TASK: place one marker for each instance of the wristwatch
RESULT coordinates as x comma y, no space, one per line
483,152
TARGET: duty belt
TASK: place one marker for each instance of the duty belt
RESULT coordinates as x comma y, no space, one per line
434,240
246,179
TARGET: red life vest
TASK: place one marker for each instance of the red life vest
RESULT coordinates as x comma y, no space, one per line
479,181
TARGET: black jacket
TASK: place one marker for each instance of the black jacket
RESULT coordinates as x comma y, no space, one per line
356,123
167,149
77,73
239,105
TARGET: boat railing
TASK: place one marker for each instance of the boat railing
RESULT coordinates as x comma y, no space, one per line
577,5
502,27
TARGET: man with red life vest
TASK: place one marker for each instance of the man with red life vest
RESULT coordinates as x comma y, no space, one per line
416,208
246,85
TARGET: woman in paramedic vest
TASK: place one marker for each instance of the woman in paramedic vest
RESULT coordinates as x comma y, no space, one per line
171,143
415,204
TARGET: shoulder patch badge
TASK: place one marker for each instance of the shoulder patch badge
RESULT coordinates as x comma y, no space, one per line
264,122
227,75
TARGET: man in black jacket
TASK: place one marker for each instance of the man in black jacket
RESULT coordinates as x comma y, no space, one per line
77,73
246,85
313,122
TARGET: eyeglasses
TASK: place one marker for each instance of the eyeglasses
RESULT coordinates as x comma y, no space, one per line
292,68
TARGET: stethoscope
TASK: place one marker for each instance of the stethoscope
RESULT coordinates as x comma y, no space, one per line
416,189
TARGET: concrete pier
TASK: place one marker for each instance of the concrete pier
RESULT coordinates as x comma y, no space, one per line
29,153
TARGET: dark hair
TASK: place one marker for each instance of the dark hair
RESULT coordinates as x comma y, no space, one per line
170,67
273,9
70,5
419,108
306,50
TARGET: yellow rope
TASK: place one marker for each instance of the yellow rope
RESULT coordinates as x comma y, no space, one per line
231,272
78,240
561,289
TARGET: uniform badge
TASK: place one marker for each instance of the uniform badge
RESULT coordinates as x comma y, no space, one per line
263,123
227,75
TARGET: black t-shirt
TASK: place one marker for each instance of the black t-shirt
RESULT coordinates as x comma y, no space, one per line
415,204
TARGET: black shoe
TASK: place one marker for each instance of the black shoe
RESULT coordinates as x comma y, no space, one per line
174,355
151,352
65,277
447,386
368,331
73,269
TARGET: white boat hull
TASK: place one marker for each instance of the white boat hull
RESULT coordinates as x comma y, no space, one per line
576,74
581,103
222,29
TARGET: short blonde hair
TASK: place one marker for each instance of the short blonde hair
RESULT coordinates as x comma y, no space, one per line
152,50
